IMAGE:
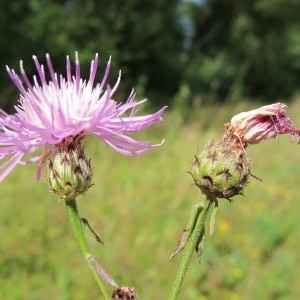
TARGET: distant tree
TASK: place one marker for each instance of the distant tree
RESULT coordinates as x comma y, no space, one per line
244,48
144,39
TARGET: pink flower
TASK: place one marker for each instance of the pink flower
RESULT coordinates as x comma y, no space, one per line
260,124
51,110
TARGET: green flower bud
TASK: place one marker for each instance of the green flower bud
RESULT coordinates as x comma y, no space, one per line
222,169
69,172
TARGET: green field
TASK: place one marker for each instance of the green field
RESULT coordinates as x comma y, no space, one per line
139,206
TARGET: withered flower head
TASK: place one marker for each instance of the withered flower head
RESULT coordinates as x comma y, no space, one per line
222,169
258,125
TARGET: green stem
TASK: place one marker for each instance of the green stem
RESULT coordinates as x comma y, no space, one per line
190,248
76,224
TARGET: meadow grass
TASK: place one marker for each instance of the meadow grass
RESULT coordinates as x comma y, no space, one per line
139,206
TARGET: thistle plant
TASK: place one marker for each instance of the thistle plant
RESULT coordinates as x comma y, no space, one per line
56,115
222,170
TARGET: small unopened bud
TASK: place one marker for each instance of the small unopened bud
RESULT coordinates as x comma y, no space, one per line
69,172
222,169
124,293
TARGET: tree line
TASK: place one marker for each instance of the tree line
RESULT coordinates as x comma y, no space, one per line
216,50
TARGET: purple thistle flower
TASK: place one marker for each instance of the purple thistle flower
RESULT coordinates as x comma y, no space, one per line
260,124
50,111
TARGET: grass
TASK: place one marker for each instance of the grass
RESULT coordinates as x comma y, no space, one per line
139,206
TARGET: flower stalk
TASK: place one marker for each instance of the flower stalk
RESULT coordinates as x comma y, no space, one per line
195,238
76,224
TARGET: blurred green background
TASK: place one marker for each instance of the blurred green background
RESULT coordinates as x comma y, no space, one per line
207,60
139,207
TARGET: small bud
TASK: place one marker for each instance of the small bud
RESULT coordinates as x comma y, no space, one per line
69,172
222,169
124,293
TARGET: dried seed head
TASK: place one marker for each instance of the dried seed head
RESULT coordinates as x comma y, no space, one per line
222,169
69,172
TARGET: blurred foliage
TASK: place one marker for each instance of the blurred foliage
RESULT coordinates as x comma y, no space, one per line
244,48
216,50
143,38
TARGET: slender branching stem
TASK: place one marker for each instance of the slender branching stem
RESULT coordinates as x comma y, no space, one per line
190,247
76,224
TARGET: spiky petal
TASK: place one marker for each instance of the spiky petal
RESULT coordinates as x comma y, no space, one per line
51,110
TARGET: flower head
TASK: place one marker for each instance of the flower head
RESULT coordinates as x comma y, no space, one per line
260,124
69,172
51,110
222,169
